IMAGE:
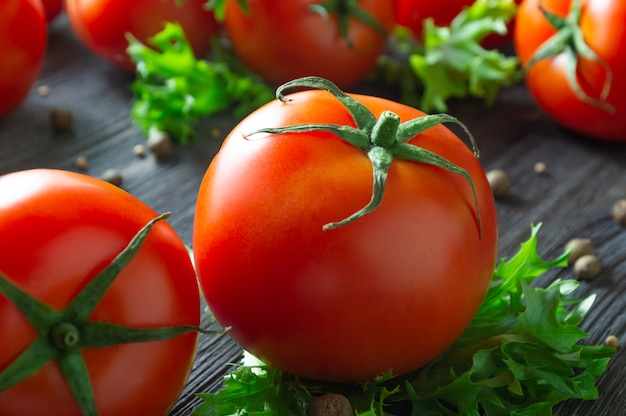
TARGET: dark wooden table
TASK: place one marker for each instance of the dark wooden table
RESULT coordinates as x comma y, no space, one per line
572,199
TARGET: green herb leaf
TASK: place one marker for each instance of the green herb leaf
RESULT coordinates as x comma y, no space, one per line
520,355
450,62
174,90
219,7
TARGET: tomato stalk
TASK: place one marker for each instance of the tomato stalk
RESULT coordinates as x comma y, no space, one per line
383,139
62,334
569,39
346,10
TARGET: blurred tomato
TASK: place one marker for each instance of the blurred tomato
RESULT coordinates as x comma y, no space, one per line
283,40
412,13
52,8
23,40
102,24
76,226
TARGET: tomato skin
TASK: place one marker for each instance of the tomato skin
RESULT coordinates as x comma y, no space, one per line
392,289
602,23
412,13
59,229
52,8
102,24
23,39
275,40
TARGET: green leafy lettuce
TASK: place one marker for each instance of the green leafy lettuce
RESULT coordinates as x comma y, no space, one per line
521,355
173,90
451,61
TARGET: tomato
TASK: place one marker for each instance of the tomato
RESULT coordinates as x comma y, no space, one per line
23,40
412,13
59,229
390,290
52,8
602,26
102,24
283,40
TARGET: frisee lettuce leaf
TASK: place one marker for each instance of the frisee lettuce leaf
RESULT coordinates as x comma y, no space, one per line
450,61
521,355
173,90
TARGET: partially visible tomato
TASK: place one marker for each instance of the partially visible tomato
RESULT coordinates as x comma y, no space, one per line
59,229
52,8
388,291
23,40
603,28
283,40
102,24
412,13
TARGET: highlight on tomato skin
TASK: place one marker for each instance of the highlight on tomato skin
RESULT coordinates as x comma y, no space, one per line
390,290
59,229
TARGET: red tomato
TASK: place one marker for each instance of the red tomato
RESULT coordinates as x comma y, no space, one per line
604,31
283,40
412,13
102,24
59,229
52,8
22,45
390,290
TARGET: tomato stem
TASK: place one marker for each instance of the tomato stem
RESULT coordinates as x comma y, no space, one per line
64,335
383,140
385,130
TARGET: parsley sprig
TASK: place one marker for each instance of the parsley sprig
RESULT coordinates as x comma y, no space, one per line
174,90
521,355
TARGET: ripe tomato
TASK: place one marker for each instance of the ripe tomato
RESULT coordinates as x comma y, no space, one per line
59,229
390,290
23,39
604,31
283,40
412,13
52,8
102,24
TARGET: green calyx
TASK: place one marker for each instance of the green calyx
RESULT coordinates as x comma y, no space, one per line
383,139
219,7
345,10
570,41
62,334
